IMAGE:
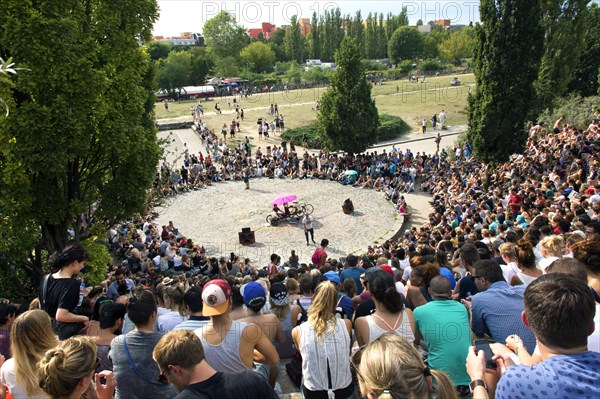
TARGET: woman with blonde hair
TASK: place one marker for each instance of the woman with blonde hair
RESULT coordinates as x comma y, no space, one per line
32,336
324,342
551,248
173,298
293,289
66,372
391,368
509,256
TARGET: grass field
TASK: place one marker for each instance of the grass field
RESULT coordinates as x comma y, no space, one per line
412,102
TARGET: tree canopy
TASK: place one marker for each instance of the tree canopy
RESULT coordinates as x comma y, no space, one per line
259,57
405,44
224,36
79,145
507,58
348,118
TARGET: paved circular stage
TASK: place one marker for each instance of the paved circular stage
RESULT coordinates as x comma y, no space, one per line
214,216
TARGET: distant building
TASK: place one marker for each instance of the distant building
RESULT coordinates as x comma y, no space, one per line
184,39
425,28
444,23
267,29
304,26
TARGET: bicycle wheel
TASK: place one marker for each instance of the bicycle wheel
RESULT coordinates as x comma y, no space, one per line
270,219
309,209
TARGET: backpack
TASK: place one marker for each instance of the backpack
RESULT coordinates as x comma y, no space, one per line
339,312
303,316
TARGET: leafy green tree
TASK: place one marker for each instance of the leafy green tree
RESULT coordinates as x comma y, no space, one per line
315,38
80,139
584,81
259,57
419,22
224,36
171,75
293,41
227,66
564,23
507,57
348,118
158,49
460,44
358,31
406,44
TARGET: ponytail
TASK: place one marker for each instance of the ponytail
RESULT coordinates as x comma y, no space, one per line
382,287
445,389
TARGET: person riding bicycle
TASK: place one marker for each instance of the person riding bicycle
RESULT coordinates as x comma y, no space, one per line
278,212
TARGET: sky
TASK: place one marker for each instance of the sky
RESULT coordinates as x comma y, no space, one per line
178,16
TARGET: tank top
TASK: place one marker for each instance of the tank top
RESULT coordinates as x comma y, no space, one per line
333,348
402,330
526,279
225,356
286,349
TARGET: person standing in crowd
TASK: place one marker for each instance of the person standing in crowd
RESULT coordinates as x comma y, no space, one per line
68,371
193,304
324,343
424,126
120,277
279,299
353,272
390,313
307,222
433,322
131,353
319,257
442,119
496,310
230,345
60,293
32,337
390,367
181,359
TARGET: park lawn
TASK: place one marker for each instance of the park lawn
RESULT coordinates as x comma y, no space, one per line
414,102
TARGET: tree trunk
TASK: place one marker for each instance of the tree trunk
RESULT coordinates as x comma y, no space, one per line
55,236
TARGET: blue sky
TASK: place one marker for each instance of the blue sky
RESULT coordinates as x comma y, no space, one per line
189,15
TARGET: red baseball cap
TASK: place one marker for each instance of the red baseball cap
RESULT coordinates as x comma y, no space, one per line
215,296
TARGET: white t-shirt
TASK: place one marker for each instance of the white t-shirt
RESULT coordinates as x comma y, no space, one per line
8,378
307,223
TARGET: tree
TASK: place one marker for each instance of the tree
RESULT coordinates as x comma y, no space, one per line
507,57
584,81
348,118
293,41
182,68
315,38
459,45
158,49
419,22
564,24
259,57
406,44
80,139
224,37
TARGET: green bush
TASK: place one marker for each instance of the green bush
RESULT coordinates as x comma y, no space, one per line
576,110
99,262
390,128
431,65
297,133
405,66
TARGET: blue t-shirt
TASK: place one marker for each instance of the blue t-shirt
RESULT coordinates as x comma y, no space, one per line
354,274
559,377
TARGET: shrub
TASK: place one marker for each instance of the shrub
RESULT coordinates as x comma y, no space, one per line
297,133
99,262
576,110
431,65
390,128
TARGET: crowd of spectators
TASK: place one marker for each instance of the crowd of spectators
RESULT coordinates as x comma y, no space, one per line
510,256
